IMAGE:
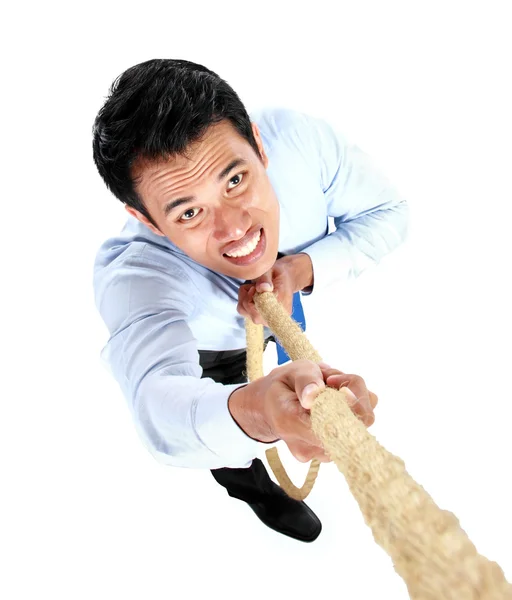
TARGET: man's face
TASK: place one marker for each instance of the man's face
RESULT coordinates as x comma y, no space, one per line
209,211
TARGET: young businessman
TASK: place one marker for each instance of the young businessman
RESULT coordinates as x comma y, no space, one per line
221,204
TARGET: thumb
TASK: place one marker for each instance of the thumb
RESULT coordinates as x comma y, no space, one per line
264,283
309,394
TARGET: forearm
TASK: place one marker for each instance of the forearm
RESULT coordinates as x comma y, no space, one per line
182,418
358,244
185,422
370,214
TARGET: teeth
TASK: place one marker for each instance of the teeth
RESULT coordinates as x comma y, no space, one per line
248,248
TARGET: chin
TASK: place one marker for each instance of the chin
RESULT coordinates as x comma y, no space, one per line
257,270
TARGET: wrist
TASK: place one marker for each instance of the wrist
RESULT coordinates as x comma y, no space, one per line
304,277
248,414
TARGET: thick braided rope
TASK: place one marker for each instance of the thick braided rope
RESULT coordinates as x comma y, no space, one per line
254,337
429,549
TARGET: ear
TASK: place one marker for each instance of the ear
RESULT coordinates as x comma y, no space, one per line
140,217
259,142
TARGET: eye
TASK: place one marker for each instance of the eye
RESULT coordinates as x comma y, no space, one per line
185,218
189,214
237,179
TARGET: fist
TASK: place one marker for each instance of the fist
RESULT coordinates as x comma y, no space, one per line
288,275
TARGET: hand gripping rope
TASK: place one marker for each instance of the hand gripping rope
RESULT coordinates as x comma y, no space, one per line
429,549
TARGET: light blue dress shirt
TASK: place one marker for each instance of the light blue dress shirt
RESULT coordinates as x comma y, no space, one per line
160,306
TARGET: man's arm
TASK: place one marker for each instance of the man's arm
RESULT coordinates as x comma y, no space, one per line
370,216
182,419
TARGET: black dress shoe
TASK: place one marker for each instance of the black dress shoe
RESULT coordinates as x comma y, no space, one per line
270,503
287,516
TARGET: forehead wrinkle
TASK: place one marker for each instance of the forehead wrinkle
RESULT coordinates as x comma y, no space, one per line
198,170
218,143
156,175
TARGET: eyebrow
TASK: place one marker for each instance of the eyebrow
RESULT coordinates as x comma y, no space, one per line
170,206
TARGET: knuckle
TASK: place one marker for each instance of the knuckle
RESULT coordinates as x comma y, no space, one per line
276,372
358,380
304,363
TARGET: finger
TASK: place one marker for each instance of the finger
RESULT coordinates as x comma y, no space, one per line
357,396
306,379
337,381
264,283
251,309
284,293
329,371
242,299
365,400
299,451
359,405
306,452
357,385
357,401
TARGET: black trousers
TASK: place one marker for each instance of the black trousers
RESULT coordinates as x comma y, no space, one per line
227,367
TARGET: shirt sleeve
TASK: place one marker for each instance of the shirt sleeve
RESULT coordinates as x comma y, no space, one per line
182,419
370,216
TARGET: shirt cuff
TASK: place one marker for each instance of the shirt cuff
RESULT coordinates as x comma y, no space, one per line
219,431
331,262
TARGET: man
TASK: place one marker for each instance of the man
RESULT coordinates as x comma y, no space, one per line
214,197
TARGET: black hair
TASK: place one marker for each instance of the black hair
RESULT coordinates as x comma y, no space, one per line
156,109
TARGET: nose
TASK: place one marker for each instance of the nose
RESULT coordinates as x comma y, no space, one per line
231,223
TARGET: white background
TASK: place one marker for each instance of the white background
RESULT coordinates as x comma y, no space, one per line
424,88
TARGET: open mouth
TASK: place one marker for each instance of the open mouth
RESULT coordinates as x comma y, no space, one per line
254,253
